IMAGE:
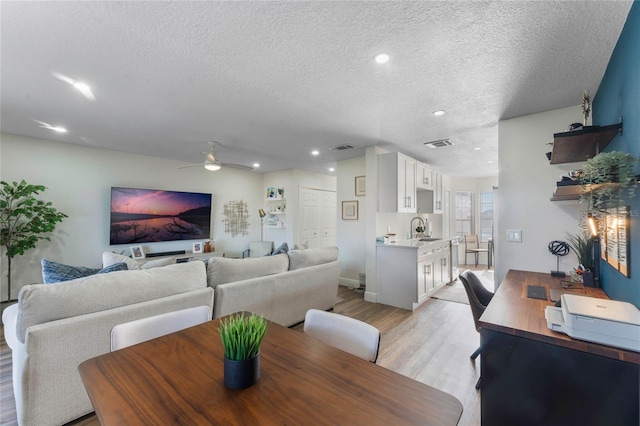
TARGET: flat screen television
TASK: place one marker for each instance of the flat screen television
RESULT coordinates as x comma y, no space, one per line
150,215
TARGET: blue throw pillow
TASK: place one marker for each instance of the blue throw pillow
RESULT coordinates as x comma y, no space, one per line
54,272
284,248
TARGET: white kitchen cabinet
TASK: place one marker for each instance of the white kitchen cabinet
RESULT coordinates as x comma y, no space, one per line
438,205
396,183
408,275
424,177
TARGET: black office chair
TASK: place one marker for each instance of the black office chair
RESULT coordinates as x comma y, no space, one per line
479,298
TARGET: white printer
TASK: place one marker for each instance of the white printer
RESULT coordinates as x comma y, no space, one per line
608,322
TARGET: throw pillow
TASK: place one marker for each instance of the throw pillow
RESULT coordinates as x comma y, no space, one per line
54,272
284,247
109,258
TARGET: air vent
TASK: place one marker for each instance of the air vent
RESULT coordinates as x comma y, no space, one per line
341,147
439,144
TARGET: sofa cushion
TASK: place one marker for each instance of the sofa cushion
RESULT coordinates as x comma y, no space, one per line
41,303
54,272
159,262
221,270
310,257
109,258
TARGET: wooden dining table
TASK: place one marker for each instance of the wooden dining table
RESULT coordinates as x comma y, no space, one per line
178,379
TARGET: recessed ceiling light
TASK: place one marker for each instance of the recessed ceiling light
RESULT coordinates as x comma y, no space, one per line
382,58
78,85
331,169
439,112
477,148
256,165
490,161
315,152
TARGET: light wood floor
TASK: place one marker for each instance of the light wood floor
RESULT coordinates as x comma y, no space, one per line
431,345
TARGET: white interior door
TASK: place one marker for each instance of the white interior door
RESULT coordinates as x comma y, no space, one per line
317,214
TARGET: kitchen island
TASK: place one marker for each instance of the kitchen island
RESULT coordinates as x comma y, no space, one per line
410,271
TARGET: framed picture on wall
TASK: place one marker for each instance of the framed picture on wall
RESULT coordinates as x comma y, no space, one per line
361,186
350,210
615,239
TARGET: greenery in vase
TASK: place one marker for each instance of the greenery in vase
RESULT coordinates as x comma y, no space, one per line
241,335
24,220
582,246
616,170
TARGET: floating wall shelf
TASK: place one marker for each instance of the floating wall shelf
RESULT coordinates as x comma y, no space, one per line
580,145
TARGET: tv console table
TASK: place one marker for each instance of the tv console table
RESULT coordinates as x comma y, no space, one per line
534,376
186,257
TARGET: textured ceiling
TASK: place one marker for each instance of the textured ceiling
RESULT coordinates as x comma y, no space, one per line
273,80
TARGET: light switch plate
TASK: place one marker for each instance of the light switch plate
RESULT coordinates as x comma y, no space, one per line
514,235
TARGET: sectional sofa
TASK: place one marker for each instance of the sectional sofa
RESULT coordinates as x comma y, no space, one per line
55,327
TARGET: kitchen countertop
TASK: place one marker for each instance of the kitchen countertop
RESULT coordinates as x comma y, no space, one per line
415,242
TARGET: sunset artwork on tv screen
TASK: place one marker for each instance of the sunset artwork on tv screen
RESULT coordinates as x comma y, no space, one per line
148,215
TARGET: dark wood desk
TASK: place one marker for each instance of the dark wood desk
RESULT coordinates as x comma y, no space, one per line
534,376
178,379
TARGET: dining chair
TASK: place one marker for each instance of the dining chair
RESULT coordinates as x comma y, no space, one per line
472,246
345,333
479,298
138,331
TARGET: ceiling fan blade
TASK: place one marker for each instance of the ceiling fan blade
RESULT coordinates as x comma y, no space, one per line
190,165
237,166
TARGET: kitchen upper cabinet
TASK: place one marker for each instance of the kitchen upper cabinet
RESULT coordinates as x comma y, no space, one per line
424,177
396,183
438,195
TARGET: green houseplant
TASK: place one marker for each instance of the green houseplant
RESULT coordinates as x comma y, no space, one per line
24,220
582,246
241,336
607,180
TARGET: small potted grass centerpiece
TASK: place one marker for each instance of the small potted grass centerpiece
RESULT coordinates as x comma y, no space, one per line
241,336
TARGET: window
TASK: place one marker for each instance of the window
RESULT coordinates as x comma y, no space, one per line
464,213
486,216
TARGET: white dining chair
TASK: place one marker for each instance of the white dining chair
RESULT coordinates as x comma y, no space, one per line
348,334
138,331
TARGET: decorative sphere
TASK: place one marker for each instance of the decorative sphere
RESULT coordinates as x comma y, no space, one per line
558,248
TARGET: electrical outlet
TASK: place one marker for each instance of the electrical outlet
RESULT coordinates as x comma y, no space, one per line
514,235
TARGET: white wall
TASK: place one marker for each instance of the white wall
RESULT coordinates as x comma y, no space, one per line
351,234
526,184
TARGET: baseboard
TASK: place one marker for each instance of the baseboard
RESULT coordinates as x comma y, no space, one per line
370,297
348,282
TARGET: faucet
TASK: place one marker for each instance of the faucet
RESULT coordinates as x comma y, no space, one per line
421,224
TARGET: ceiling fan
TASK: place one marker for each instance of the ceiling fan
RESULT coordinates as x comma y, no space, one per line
212,163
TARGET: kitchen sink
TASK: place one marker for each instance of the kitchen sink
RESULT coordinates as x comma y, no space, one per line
430,239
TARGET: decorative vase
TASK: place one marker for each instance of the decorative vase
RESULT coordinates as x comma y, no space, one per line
241,374
207,247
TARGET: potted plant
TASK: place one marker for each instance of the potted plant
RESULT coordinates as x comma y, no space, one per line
582,246
24,220
241,336
607,180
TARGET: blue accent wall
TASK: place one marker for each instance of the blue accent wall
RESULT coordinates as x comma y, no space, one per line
619,95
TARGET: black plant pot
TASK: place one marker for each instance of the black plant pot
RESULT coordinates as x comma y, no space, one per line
587,279
241,374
